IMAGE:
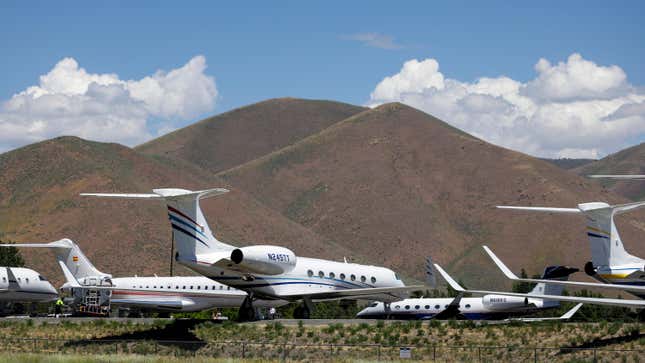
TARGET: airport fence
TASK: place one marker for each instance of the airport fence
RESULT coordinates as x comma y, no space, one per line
319,352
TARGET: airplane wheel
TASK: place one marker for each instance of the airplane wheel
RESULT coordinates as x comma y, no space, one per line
301,312
305,313
246,311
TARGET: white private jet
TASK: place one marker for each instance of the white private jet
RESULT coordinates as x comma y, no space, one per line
23,285
610,262
640,304
166,294
487,307
265,271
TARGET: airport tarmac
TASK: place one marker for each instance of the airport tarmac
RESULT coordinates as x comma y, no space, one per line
285,322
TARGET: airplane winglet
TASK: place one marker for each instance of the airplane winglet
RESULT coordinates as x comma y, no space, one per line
569,314
69,277
509,274
449,279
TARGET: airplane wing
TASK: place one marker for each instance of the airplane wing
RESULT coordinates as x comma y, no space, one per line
587,300
510,275
452,311
565,316
70,280
13,282
370,292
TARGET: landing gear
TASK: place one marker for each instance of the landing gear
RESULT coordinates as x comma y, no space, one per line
304,311
247,311
387,310
301,312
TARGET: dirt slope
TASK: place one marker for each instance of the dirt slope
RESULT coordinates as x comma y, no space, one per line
396,184
232,138
628,161
39,186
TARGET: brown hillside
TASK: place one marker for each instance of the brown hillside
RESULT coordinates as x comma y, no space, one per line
397,185
232,138
39,186
628,161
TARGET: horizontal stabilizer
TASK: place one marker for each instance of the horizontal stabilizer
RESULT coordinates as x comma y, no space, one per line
63,243
541,209
623,177
167,193
510,275
587,300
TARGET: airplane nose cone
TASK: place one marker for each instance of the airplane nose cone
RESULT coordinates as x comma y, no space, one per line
52,290
362,313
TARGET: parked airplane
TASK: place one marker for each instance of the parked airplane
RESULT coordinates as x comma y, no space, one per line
265,271
585,300
175,293
487,307
23,285
610,262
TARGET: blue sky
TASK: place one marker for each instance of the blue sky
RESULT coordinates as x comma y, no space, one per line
260,50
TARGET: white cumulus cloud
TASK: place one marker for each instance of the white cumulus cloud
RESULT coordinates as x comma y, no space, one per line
570,109
69,100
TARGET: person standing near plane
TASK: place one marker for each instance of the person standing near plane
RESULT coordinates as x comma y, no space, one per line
58,307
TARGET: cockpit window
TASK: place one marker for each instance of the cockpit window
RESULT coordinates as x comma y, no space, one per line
41,278
396,276
373,305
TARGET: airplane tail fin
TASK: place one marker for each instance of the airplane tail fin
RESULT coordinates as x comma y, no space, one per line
606,246
553,273
431,279
68,253
190,229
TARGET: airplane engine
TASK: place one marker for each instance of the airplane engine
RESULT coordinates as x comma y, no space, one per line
501,302
266,260
590,269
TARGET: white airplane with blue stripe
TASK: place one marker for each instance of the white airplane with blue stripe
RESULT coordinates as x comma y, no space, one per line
487,307
265,271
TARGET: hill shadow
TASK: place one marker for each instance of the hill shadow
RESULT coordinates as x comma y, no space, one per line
176,334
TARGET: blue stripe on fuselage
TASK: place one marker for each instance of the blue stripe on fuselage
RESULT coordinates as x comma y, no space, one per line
294,278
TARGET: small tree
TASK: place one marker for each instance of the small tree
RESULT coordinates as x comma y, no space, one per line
10,257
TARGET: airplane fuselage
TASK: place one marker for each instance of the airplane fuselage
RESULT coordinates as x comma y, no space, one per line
28,286
631,275
309,276
175,293
489,307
